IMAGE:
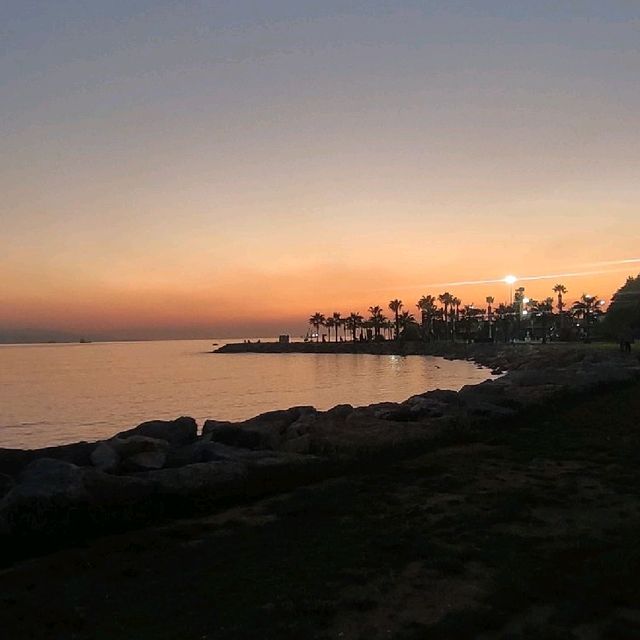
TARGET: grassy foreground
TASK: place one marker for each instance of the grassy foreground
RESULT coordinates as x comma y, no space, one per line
526,530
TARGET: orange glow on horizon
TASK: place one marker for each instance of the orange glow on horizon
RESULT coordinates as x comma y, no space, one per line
250,303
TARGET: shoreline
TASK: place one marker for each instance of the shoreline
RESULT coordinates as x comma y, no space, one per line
520,530
498,356
161,470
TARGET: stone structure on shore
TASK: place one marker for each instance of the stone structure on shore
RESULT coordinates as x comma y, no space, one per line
162,469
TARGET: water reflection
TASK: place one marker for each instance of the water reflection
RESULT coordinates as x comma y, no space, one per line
61,393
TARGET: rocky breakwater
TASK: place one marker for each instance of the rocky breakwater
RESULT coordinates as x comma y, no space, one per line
163,469
155,471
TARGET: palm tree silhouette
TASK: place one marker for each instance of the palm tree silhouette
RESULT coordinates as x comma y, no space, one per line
543,309
445,299
337,321
396,306
456,302
317,320
427,306
353,322
377,319
587,308
560,289
330,323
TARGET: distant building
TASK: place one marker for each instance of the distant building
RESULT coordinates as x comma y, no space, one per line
284,338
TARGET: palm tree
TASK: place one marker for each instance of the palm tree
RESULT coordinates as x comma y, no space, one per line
317,320
445,299
586,308
560,289
543,310
329,323
396,306
377,319
407,322
337,320
427,306
456,302
353,322
489,300
406,317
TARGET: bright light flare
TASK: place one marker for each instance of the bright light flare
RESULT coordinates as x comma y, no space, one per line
510,279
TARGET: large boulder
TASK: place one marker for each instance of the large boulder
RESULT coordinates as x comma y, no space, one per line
232,434
280,419
265,431
105,457
140,453
145,460
47,498
176,432
135,453
13,461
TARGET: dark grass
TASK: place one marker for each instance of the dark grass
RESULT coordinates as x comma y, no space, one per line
547,510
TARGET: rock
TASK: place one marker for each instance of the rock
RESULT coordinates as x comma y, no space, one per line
140,453
340,411
176,432
48,477
131,446
6,484
105,457
301,444
232,434
305,423
13,461
145,460
274,424
50,498
265,431
424,408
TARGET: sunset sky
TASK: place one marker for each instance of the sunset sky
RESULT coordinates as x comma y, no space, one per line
211,169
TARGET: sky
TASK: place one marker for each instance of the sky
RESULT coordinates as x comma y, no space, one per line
212,169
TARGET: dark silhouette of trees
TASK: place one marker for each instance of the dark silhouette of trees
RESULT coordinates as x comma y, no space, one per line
353,322
428,310
586,309
560,289
445,318
317,320
377,320
446,299
337,322
396,306
623,315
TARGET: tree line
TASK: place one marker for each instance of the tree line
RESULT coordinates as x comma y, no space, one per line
445,317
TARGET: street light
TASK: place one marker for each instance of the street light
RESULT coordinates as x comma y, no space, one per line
510,281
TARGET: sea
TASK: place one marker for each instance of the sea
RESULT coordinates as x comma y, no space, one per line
59,393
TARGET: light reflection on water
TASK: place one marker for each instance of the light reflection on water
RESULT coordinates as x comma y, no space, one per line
51,394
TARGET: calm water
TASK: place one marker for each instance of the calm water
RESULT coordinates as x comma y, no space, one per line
52,394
